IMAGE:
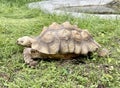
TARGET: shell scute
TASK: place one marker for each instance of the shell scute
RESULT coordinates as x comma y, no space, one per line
55,26
48,37
64,34
78,48
54,46
64,46
76,35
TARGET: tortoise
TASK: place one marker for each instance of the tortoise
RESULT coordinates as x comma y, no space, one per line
58,41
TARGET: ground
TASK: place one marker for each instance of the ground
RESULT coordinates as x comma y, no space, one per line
17,20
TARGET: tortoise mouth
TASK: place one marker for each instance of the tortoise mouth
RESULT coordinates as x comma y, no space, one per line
29,46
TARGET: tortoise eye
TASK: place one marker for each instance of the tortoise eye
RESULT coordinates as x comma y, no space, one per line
21,41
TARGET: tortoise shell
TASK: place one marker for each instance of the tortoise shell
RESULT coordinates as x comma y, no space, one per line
64,38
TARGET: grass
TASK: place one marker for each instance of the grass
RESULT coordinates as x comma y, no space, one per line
17,20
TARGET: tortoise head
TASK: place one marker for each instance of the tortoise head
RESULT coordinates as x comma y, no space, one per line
25,41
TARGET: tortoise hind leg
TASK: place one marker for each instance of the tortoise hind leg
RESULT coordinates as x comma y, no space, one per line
28,57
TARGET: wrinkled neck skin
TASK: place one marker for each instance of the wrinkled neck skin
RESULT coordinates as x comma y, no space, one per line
31,41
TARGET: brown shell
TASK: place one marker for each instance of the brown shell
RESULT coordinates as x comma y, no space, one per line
63,39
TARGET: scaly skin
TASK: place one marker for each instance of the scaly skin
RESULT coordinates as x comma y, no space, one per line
28,58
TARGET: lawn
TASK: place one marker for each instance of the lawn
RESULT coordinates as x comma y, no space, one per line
17,20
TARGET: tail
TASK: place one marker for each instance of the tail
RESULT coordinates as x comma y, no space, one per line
103,52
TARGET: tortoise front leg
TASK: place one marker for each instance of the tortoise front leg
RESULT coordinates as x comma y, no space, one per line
27,53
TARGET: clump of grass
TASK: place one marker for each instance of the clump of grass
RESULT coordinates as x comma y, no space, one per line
17,20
